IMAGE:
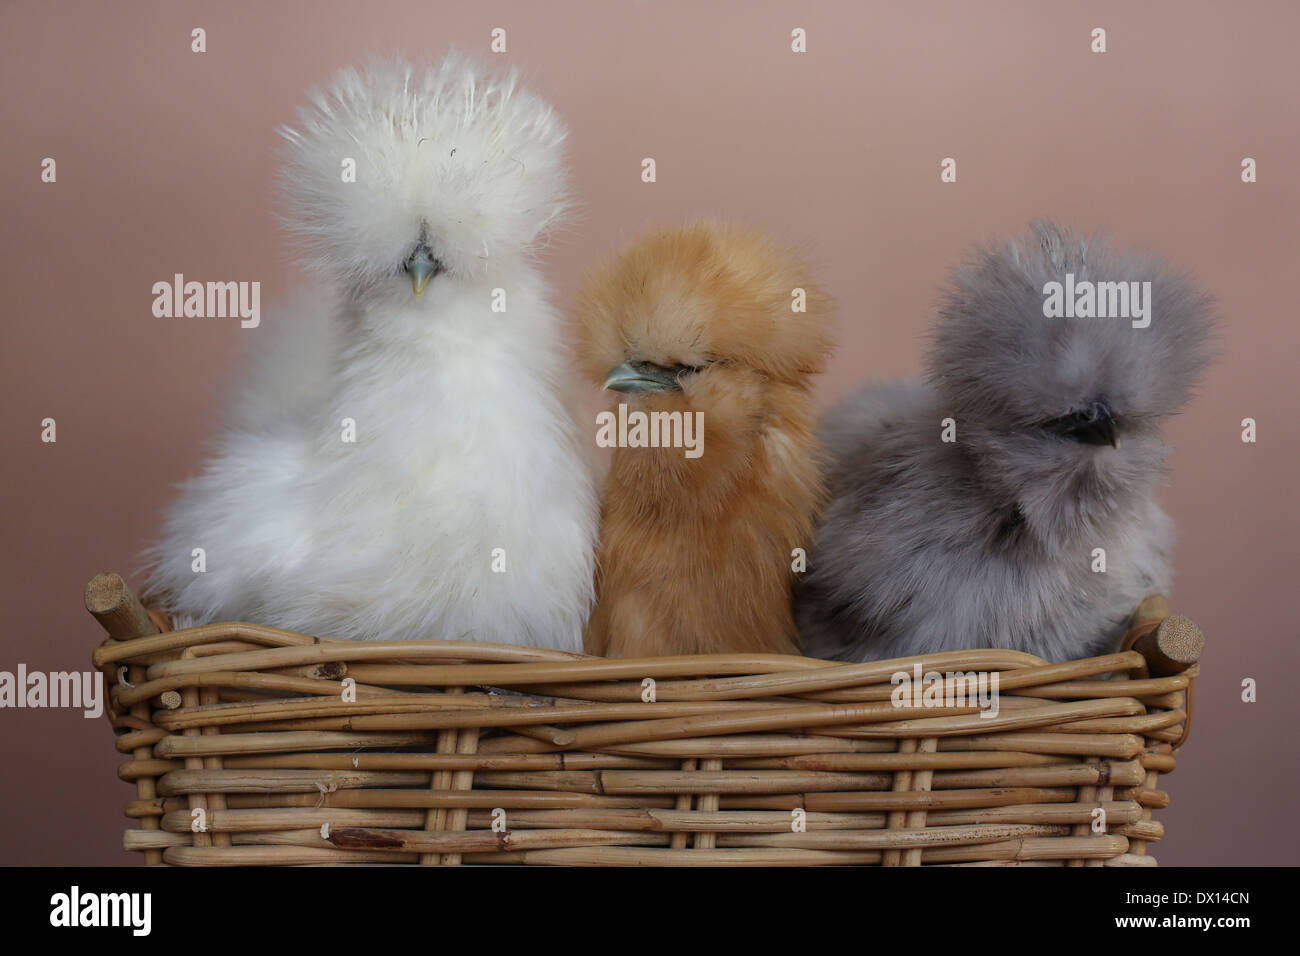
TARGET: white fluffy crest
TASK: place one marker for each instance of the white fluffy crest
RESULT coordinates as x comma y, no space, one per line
470,158
463,509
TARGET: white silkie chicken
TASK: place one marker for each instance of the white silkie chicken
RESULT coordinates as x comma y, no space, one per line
402,463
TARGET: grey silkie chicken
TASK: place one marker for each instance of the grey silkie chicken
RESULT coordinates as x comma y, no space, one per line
989,540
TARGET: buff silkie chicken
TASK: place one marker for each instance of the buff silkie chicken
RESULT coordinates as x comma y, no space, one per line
402,463
1010,500
710,336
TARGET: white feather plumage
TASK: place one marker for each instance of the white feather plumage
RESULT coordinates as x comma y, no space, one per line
463,442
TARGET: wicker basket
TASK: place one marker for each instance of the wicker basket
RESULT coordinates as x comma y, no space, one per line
249,745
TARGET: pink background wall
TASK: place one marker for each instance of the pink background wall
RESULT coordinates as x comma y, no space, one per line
165,162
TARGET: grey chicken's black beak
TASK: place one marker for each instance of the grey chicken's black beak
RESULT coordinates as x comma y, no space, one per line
422,266
1093,426
634,376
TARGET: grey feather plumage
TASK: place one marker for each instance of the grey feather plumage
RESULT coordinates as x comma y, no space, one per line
988,540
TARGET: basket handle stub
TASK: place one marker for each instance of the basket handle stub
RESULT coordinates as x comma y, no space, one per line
1171,647
1170,643
123,616
117,609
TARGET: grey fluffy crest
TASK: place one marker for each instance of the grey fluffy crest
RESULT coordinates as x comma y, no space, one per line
996,356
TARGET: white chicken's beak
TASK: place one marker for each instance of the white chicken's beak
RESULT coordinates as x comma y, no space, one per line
422,267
